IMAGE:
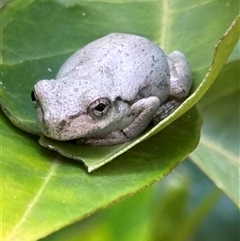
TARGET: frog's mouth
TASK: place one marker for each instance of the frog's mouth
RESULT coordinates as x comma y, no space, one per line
81,127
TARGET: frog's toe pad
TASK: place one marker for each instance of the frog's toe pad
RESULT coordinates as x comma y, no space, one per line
165,110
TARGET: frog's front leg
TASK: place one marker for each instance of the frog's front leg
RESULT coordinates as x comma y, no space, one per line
142,112
180,84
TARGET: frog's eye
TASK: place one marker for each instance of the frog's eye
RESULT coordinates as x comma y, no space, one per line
99,107
33,97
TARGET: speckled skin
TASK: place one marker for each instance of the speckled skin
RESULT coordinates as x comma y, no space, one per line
109,91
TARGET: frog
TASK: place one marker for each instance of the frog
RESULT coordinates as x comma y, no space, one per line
111,90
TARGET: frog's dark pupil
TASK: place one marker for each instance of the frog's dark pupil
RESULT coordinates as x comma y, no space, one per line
100,107
33,96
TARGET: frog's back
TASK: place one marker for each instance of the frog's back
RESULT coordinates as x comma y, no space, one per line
130,64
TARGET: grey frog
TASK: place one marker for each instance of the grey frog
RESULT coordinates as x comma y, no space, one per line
110,90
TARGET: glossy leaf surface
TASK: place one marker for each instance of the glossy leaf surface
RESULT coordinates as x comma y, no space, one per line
43,191
50,31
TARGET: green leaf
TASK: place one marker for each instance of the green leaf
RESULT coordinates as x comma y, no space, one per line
218,151
43,191
50,31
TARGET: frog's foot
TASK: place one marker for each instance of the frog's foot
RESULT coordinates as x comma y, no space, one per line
181,78
165,110
112,138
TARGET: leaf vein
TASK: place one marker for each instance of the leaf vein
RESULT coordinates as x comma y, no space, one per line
164,25
34,201
230,156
